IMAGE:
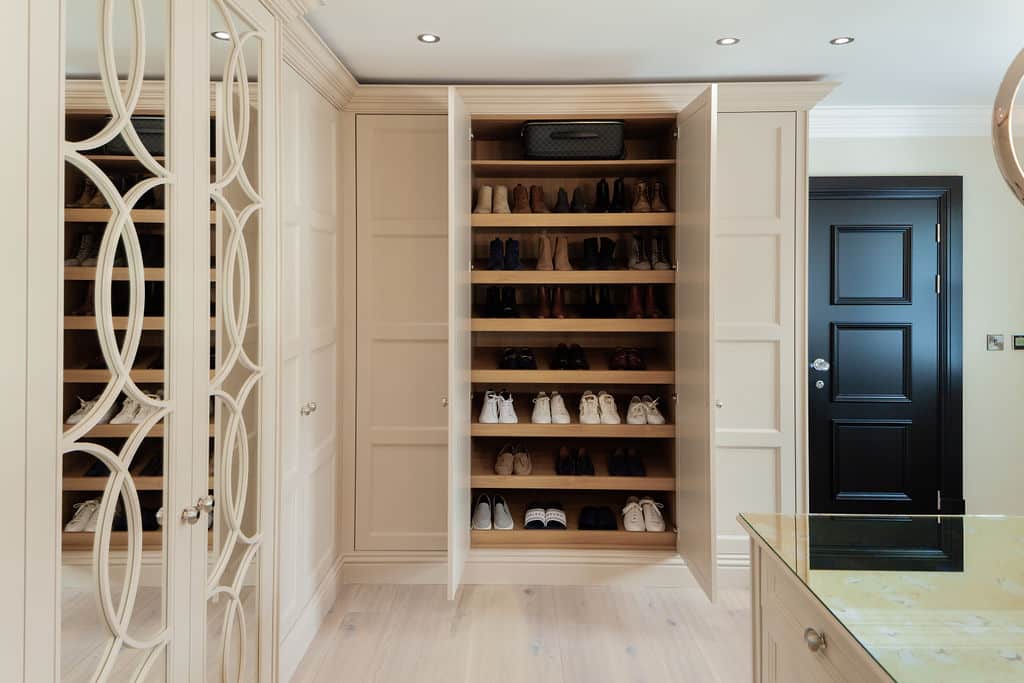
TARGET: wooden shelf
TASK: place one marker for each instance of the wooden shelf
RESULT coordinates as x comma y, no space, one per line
543,476
88,273
482,276
124,159
574,431
102,376
486,358
83,540
88,322
572,325
532,168
73,215
573,220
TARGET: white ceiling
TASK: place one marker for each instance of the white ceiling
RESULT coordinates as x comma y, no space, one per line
907,52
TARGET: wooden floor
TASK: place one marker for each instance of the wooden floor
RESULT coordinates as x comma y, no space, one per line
532,634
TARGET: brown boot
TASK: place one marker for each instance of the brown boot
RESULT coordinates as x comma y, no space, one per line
545,261
562,254
651,309
520,199
545,303
641,203
636,305
537,203
558,305
658,202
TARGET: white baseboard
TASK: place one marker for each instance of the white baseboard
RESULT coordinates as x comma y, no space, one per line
734,570
296,642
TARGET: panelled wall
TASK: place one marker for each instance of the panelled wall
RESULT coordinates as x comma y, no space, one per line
755,271
311,157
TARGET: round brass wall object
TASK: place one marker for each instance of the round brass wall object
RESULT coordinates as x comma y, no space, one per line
1002,127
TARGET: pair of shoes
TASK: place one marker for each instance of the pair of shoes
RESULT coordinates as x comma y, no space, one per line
626,359
501,303
84,519
550,410
133,412
599,409
597,518
552,303
513,459
643,514
649,253
517,359
599,302
86,407
649,196
574,462
618,203
88,250
492,199
626,463
562,204
492,513
529,201
557,259
598,254
504,257
545,516
498,409
569,358
644,411
645,306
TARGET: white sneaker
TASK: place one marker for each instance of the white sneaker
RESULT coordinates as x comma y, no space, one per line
541,410
85,407
85,515
129,409
146,411
482,514
636,414
654,416
609,413
489,413
653,521
559,414
590,414
502,516
632,515
506,411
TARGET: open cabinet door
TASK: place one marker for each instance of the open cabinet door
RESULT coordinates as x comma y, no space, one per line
695,172
460,296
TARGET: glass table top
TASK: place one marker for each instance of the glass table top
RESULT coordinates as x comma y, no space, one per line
932,599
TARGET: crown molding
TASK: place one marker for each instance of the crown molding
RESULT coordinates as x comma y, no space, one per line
902,121
305,51
399,99
772,95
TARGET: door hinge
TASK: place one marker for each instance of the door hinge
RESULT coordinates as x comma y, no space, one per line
938,284
938,499
938,232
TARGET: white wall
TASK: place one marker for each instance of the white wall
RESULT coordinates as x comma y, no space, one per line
993,296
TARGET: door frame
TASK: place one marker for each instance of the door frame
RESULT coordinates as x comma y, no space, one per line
948,191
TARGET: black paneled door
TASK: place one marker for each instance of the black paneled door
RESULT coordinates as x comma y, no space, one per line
875,361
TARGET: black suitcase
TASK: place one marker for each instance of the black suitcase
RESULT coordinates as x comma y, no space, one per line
150,130
574,140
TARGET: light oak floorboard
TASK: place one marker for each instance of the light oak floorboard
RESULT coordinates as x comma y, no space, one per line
531,634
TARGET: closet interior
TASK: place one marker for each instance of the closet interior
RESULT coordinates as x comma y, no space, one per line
574,294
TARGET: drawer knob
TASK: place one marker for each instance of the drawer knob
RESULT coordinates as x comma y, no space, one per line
815,641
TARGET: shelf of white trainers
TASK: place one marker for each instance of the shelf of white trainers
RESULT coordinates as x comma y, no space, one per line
590,168
83,540
88,322
506,221
571,324
574,430
572,536
75,215
543,476
125,430
529,275
88,273
485,358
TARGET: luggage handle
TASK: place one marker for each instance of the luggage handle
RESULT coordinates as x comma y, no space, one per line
573,135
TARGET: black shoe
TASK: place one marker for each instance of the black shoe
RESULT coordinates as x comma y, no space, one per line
560,359
578,205
605,309
577,359
606,254
525,359
591,309
97,469
619,202
492,307
509,309
634,464
562,204
512,255
496,261
564,462
606,519
603,203
589,519
584,465
590,255
617,464
509,359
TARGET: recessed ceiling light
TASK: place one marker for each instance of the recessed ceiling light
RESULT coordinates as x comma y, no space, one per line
727,41
841,40
221,35
428,38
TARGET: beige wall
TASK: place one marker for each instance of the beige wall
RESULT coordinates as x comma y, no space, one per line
993,297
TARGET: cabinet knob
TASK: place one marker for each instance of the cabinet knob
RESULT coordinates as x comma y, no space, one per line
719,404
815,641
444,401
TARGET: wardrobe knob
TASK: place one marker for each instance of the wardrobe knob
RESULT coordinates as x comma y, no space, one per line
313,405
719,404
444,401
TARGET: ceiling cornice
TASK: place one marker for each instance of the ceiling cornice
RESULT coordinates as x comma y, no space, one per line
901,122
307,53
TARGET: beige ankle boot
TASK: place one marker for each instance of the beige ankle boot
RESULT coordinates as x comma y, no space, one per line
562,254
500,204
545,260
483,199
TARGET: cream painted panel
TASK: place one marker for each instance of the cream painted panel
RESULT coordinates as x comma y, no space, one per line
747,372
402,332
756,192
752,475
755,258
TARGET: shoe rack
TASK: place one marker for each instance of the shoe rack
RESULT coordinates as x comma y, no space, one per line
497,159
84,372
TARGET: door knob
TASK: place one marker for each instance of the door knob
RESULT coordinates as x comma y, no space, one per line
444,401
191,514
205,504
815,641
821,365
719,404
313,405
305,410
